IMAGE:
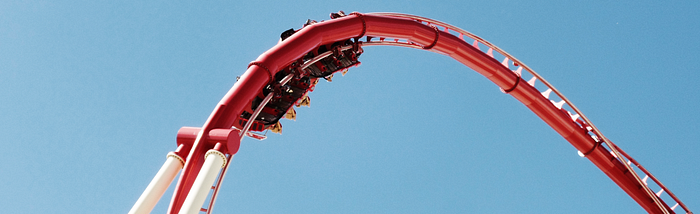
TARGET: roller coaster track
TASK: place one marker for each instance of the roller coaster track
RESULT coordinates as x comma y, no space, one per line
282,77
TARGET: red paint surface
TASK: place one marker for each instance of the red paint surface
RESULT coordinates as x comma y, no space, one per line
256,77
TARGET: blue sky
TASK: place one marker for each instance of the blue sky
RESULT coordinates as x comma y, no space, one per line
92,94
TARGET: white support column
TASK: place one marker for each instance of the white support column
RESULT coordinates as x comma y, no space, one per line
214,161
165,176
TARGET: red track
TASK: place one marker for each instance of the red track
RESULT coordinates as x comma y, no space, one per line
418,32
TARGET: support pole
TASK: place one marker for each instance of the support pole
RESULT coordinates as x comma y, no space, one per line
214,161
163,179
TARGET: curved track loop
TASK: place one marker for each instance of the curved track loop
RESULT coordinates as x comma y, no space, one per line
618,153
422,33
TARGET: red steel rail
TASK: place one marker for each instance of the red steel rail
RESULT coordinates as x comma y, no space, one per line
423,33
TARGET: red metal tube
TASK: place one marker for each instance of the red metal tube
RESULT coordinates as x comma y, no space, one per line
258,76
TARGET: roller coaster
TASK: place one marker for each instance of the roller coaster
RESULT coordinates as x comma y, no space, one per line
282,77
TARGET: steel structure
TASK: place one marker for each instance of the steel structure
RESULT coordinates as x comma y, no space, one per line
282,77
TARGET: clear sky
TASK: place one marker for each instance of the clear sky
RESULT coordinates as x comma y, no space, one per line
92,94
